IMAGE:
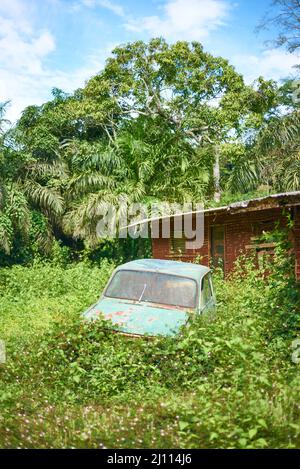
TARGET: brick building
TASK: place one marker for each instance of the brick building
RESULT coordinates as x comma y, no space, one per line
235,229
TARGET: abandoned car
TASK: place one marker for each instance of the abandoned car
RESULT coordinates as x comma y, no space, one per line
152,297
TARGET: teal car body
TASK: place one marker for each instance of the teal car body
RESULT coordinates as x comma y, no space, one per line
152,297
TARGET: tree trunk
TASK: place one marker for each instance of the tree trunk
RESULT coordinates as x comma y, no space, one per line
217,188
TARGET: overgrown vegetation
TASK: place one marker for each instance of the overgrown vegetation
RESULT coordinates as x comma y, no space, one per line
224,383
160,122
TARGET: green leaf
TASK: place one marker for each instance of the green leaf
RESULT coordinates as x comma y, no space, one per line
262,422
183,425
252,433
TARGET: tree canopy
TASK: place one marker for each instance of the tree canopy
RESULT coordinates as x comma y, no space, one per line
159,122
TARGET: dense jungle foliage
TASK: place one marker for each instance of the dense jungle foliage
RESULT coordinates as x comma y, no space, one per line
160,122
227,383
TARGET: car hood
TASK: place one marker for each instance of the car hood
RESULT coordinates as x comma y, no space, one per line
139,318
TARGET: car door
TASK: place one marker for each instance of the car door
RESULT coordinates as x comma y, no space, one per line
207,297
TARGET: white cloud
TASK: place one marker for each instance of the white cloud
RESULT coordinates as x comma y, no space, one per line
114,7
23,52
24,78
272,63
26,89
14,9
183,19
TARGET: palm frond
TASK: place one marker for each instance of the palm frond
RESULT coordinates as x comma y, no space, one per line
6,233
89,181
16,207
292,176
244,177
45,198
38,169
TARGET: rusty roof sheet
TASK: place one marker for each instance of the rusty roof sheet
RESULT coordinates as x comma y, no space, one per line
284,199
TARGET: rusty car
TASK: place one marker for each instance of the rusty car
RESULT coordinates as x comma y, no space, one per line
150,297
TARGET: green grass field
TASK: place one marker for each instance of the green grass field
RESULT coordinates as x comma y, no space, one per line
227,383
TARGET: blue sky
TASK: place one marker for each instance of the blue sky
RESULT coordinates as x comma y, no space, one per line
61,43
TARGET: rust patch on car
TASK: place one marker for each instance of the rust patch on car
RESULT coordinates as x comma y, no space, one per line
121,313
109,316
152,319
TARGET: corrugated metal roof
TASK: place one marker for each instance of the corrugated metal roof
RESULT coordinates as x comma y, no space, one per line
286,199
194,271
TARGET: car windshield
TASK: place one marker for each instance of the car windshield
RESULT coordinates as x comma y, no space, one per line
153,287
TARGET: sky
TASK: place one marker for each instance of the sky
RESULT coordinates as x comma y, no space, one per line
62,43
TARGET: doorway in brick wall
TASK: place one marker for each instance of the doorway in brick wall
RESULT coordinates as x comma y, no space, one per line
217,246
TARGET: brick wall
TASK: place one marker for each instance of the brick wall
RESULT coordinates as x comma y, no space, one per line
239,229
160,248
297,241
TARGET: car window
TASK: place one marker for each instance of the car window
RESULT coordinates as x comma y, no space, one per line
206,293
153,287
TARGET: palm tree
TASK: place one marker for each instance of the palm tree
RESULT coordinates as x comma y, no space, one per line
26,185
278,148
139,165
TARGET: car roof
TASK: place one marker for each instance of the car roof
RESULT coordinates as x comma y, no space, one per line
194,271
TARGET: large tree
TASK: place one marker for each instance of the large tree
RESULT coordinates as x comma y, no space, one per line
151,125
201,98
